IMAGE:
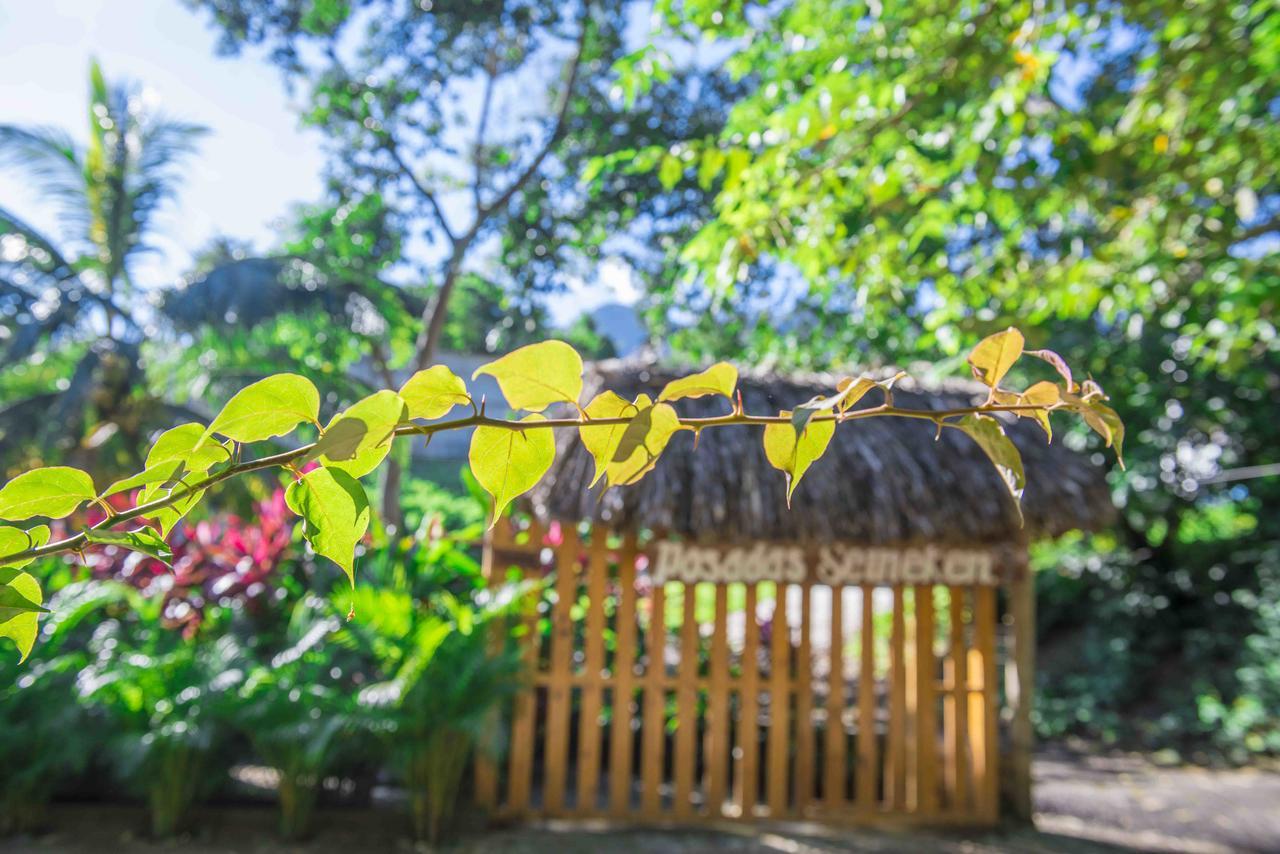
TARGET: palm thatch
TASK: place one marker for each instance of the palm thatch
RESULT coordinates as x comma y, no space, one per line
882,480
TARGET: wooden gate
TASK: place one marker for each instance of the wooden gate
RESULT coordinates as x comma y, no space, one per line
680,702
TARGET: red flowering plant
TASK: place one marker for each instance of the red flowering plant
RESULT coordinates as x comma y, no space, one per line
220,560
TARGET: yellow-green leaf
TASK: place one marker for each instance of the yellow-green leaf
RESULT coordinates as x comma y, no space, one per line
601,440
269,407
991,438
853,390
144,540
1059,364
358,439
54,492
432,393
20,604
536,376
180,443
166,472
793,453
642,442
15,540
508,463
721,378
335,514
995,355
1046,394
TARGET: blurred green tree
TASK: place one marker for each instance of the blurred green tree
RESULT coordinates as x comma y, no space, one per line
71,321
925,173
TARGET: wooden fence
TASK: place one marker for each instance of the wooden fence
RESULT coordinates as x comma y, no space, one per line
682,702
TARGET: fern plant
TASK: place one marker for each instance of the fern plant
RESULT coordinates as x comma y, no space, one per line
166,696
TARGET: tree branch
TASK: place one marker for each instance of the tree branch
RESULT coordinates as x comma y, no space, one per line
79,540
423,189
433,317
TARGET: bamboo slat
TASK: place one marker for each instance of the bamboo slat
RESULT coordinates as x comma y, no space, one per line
987,784
623,678
686,742
559,690
524,711
717,727
896,752
956,712
653,724
926,734
589,734
835,760
804,709
868,766
747,782
778,772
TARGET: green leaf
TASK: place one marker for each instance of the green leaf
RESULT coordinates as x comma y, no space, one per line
990,436
536,376
601,440
358,439
54,492
180,443
995,355
508,463
792,452
335,514
670,171
166,472
430,394
721,378
144,540
14,540
171,514
20,604
269,407
642,442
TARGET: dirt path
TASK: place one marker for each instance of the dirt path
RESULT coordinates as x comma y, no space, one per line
1128,800
1085,805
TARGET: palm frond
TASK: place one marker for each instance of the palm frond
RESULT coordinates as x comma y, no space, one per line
54,161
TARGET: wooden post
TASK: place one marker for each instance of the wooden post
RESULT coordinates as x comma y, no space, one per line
593,666
778,771
560,682
804,709
717,738
748,780
956,713
836,749
654,722
868,776
984,706
686,742
1022,601
926,711
624,673
896,752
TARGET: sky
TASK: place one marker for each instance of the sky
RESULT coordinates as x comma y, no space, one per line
250,169
254,165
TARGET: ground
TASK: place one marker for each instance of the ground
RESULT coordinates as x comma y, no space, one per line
1085,804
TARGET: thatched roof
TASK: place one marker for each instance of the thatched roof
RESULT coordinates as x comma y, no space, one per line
882,480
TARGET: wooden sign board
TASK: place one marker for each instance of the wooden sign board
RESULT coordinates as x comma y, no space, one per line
835,564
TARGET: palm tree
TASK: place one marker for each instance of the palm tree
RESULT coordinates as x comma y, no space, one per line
72,303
